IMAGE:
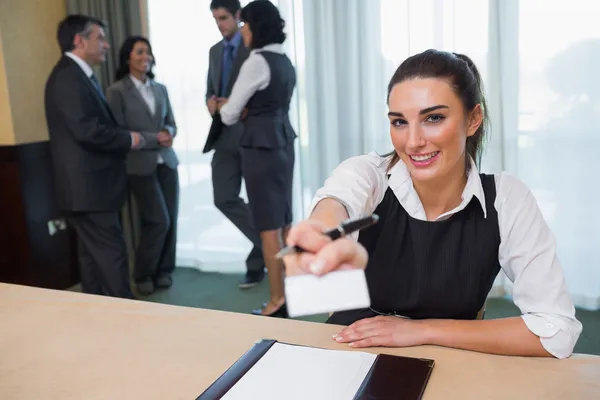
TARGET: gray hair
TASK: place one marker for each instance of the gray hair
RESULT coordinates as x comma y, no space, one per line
87,29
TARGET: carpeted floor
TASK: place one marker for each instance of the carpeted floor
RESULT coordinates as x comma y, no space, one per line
218,291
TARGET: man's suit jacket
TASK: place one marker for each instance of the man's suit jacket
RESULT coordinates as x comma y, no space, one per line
132,113
213,84
88,149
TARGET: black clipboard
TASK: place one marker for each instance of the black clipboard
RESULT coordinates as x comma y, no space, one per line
390,377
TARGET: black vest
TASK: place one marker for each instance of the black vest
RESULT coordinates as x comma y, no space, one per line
267,124
423,269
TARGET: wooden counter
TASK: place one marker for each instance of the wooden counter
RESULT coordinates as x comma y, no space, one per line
65,345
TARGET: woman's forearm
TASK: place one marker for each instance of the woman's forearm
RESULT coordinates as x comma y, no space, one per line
506,336
329,212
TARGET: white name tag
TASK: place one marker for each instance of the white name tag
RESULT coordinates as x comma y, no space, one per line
336,291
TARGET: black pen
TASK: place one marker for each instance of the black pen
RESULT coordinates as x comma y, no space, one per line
342,230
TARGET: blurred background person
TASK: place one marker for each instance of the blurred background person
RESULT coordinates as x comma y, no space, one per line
140,103
88,150
261,97
225,59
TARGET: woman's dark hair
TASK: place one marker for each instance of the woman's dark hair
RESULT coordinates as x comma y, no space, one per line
125,55
265,23
462,74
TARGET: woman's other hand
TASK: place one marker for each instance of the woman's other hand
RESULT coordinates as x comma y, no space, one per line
322,255
385,331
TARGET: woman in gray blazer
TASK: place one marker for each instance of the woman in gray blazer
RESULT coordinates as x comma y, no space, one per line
142,105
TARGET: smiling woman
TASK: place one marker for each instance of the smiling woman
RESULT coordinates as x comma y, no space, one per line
445,232
137,100
467,98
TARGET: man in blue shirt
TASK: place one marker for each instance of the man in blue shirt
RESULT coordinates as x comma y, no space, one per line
225,59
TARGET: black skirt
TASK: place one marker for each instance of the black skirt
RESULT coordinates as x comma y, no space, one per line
268,175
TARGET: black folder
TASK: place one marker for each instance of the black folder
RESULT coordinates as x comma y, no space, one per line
390,377
213,133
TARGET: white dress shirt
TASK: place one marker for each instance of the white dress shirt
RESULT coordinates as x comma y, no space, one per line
254,75
88,71
84,66
145,89
527,252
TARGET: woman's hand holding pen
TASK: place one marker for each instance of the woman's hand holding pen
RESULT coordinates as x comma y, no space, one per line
321,255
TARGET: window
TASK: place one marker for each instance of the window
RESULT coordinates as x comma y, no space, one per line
409,27
554,143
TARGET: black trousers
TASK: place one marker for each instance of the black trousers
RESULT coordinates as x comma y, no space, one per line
157,198
227,183
102,254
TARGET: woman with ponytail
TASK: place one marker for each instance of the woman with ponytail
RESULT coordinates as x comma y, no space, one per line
445,229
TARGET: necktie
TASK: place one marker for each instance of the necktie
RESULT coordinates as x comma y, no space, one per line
97,85
227,66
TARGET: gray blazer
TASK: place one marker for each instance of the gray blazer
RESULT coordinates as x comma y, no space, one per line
213,83
132,113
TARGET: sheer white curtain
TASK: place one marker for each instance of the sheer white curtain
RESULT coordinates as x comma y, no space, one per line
345,86
548,64
181,33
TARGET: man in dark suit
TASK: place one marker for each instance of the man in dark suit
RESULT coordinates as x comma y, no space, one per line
225,59
88,156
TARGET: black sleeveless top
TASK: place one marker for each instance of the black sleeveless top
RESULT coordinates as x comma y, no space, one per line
267,124
423,269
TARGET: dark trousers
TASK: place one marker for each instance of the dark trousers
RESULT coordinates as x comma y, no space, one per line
227,184
157,199
102,254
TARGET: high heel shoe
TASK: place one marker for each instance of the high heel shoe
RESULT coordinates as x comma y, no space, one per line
281,312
